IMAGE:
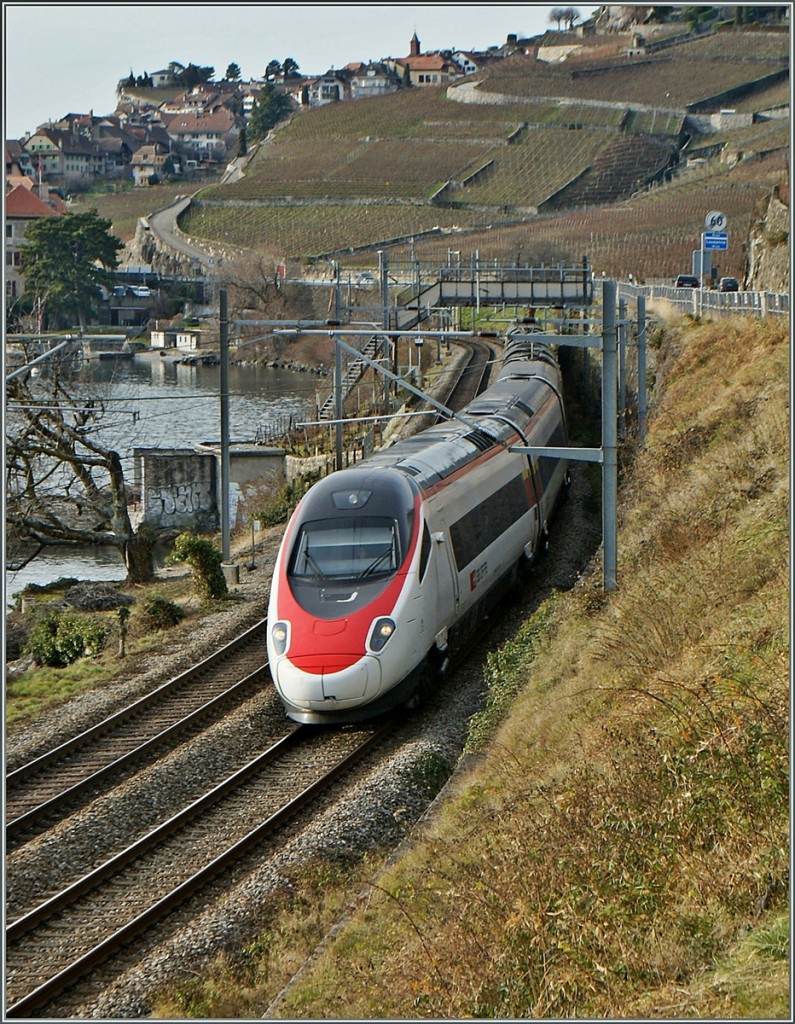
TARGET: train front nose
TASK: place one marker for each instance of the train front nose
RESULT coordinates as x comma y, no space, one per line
318,682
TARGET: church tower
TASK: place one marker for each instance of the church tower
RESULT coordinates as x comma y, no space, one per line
415,46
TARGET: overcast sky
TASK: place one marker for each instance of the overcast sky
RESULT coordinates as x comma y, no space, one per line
62,58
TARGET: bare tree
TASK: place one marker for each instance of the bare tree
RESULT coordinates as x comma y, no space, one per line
64,486
253,282
570,15
557,14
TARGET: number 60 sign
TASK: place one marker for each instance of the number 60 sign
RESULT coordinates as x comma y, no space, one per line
715,221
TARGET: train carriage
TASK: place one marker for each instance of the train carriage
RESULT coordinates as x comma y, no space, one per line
386,567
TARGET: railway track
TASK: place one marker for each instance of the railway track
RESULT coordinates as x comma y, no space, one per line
44,791
54,945
472,379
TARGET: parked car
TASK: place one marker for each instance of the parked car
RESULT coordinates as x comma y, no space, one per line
728,284
686,281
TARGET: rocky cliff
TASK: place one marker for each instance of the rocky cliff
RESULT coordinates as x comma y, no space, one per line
768,250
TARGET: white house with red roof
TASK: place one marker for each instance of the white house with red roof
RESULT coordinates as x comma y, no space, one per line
22,207
425,69
202,135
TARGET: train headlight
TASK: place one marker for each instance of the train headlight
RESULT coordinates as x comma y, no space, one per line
381,632
280,634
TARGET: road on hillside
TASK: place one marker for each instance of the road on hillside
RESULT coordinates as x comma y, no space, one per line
163,223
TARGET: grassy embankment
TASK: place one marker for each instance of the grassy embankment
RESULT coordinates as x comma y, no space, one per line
620,847
41,689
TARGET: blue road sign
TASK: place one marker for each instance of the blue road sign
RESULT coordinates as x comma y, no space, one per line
715,240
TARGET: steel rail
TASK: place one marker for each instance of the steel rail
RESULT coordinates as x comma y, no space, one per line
149,699
58,983
37,818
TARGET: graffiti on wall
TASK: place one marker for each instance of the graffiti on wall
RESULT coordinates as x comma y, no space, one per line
178,489
167,503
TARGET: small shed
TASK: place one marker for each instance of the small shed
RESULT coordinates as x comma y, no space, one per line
188,341
163,339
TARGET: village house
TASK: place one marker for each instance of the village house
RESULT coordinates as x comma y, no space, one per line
23,206
467,63
249,93
18,161
374,79
146,130
333,87
201,136
117,146
148,163
424,69
162,79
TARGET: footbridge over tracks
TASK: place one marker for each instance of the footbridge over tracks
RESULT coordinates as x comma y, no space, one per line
474,284
492,284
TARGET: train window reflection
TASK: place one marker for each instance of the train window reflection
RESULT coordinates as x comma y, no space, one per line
350,549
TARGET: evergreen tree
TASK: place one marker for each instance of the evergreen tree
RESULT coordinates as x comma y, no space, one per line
65,260
269,108
194,75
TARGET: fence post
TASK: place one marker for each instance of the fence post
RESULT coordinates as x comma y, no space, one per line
224,347
641,368
622,368
609,438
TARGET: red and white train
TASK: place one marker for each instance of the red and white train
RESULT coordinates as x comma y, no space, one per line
386,567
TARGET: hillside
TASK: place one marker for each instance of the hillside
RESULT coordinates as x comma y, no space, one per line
616,158
617,845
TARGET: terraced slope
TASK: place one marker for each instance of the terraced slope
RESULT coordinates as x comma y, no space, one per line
624,165
684,75
484,159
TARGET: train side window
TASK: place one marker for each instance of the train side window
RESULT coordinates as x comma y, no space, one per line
425,551
482,525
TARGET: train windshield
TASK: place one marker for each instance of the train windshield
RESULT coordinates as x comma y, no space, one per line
347,548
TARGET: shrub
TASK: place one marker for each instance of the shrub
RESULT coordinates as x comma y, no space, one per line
57,639
278,511
204,558
160,613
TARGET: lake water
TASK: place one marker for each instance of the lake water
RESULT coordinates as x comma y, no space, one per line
154,402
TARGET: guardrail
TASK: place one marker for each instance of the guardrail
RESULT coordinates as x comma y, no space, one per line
698,302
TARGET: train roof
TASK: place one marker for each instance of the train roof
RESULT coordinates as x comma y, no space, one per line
491,419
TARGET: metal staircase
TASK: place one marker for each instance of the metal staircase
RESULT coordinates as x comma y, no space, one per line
352,376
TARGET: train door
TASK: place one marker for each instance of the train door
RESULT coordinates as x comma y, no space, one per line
442,572
535,495
446,576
